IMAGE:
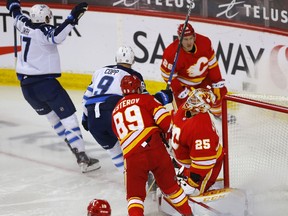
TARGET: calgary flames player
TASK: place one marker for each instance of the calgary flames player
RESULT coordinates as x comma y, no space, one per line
195,141
196,67
138,121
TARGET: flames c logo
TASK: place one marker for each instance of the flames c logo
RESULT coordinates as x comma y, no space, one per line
279,66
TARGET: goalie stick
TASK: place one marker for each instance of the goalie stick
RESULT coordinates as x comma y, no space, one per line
179,45
219,202
218,213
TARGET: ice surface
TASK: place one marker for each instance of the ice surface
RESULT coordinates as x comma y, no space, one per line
39,175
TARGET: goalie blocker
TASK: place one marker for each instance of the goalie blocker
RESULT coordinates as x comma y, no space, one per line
225,201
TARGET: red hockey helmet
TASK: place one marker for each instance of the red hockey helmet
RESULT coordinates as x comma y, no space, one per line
189,30
98,207
130,84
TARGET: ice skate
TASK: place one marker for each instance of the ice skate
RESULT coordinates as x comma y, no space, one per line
86,164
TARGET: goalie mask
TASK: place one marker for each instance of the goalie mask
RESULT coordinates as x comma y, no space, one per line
125,55
130,85
98,207
40,13
199,100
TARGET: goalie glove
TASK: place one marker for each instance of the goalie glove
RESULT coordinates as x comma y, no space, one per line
189,186
188,180
77,12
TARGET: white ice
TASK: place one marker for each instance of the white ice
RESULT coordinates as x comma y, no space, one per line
39,175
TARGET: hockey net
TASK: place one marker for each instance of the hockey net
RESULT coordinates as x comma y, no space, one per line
256,149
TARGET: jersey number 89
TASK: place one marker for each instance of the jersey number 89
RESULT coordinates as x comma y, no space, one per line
130,120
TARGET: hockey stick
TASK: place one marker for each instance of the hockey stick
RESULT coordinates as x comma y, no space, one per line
218,213
179,45
15,45
150,187
206,207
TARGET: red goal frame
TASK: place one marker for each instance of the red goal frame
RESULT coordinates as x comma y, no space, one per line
251,102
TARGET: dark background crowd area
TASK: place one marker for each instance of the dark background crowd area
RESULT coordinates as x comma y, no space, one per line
263,13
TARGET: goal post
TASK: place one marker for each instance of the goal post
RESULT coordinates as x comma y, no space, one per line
256,150
257,114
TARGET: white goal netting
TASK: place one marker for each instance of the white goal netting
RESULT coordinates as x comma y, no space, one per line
258,151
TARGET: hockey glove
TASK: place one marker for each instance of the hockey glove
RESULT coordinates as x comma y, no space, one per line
77,12
184,94
219,89
12,5
189,186
85,122
164,96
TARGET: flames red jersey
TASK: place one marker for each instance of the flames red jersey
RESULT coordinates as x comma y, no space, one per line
192,67
195,142
135,118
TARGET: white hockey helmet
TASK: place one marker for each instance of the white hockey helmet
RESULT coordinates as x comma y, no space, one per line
200,100
40,13
125,55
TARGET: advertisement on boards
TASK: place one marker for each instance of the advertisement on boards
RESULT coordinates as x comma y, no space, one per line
257,12
249,60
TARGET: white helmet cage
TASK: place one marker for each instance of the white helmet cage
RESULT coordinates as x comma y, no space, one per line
40,13
200,100
125,55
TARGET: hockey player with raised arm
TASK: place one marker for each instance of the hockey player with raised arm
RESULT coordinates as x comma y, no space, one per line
38,67
101,97
196,143
138,121
196,67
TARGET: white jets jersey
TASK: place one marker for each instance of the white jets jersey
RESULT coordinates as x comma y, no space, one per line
106,82
39,55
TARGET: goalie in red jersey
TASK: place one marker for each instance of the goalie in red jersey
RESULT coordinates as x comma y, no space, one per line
196,67
195,141
138,121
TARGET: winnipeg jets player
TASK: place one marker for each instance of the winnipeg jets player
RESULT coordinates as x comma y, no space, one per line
37,68
101,97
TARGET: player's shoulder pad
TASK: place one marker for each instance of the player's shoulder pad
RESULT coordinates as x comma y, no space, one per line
137,74
45,28
202,38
